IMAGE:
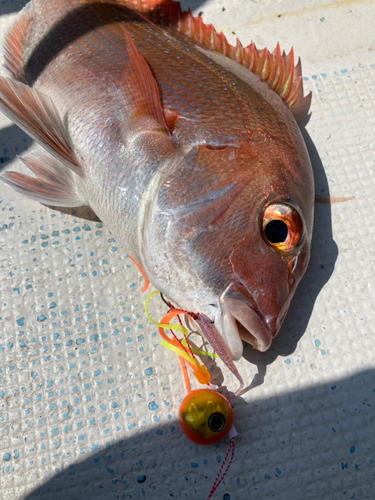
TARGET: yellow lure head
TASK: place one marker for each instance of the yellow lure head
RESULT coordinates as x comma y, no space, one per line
205,416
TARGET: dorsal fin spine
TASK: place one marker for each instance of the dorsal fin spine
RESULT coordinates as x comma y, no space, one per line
266,64
277,73
289,66
293,98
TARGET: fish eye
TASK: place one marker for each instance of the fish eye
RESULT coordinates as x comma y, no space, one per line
282,227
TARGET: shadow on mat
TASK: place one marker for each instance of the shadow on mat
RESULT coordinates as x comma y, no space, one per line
325,432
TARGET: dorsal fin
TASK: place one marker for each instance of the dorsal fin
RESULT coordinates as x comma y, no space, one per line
276,68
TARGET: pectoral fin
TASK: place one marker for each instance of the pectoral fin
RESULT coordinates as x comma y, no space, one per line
139,94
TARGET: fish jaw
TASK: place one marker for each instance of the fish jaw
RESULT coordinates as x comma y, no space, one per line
242,320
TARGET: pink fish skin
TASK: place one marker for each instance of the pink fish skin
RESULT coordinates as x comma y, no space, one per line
192,160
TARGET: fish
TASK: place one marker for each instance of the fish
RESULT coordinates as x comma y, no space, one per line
184,146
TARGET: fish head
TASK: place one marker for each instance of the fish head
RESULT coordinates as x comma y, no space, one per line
232,234
267,265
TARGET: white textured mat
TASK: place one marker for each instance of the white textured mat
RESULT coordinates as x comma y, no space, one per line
88,398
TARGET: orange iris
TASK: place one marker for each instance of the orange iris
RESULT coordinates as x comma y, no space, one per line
282,227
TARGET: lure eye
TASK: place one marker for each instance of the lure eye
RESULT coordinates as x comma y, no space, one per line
282,227
216,422
205,416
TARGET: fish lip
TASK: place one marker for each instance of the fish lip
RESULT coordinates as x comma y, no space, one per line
252,326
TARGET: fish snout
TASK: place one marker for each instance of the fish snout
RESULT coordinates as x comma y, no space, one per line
243,320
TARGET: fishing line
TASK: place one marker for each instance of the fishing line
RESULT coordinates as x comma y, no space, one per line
163,299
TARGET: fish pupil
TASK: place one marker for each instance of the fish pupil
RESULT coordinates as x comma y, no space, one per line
216,422
276,231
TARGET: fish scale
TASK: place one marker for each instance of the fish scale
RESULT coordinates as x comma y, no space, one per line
172,70
186,155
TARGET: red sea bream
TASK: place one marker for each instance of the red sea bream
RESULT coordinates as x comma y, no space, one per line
184,146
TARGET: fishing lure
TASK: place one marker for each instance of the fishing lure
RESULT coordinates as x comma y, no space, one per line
205,415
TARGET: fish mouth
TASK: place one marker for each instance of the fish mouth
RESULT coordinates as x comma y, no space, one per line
242,320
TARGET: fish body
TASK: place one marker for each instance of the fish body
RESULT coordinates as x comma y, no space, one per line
187,156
